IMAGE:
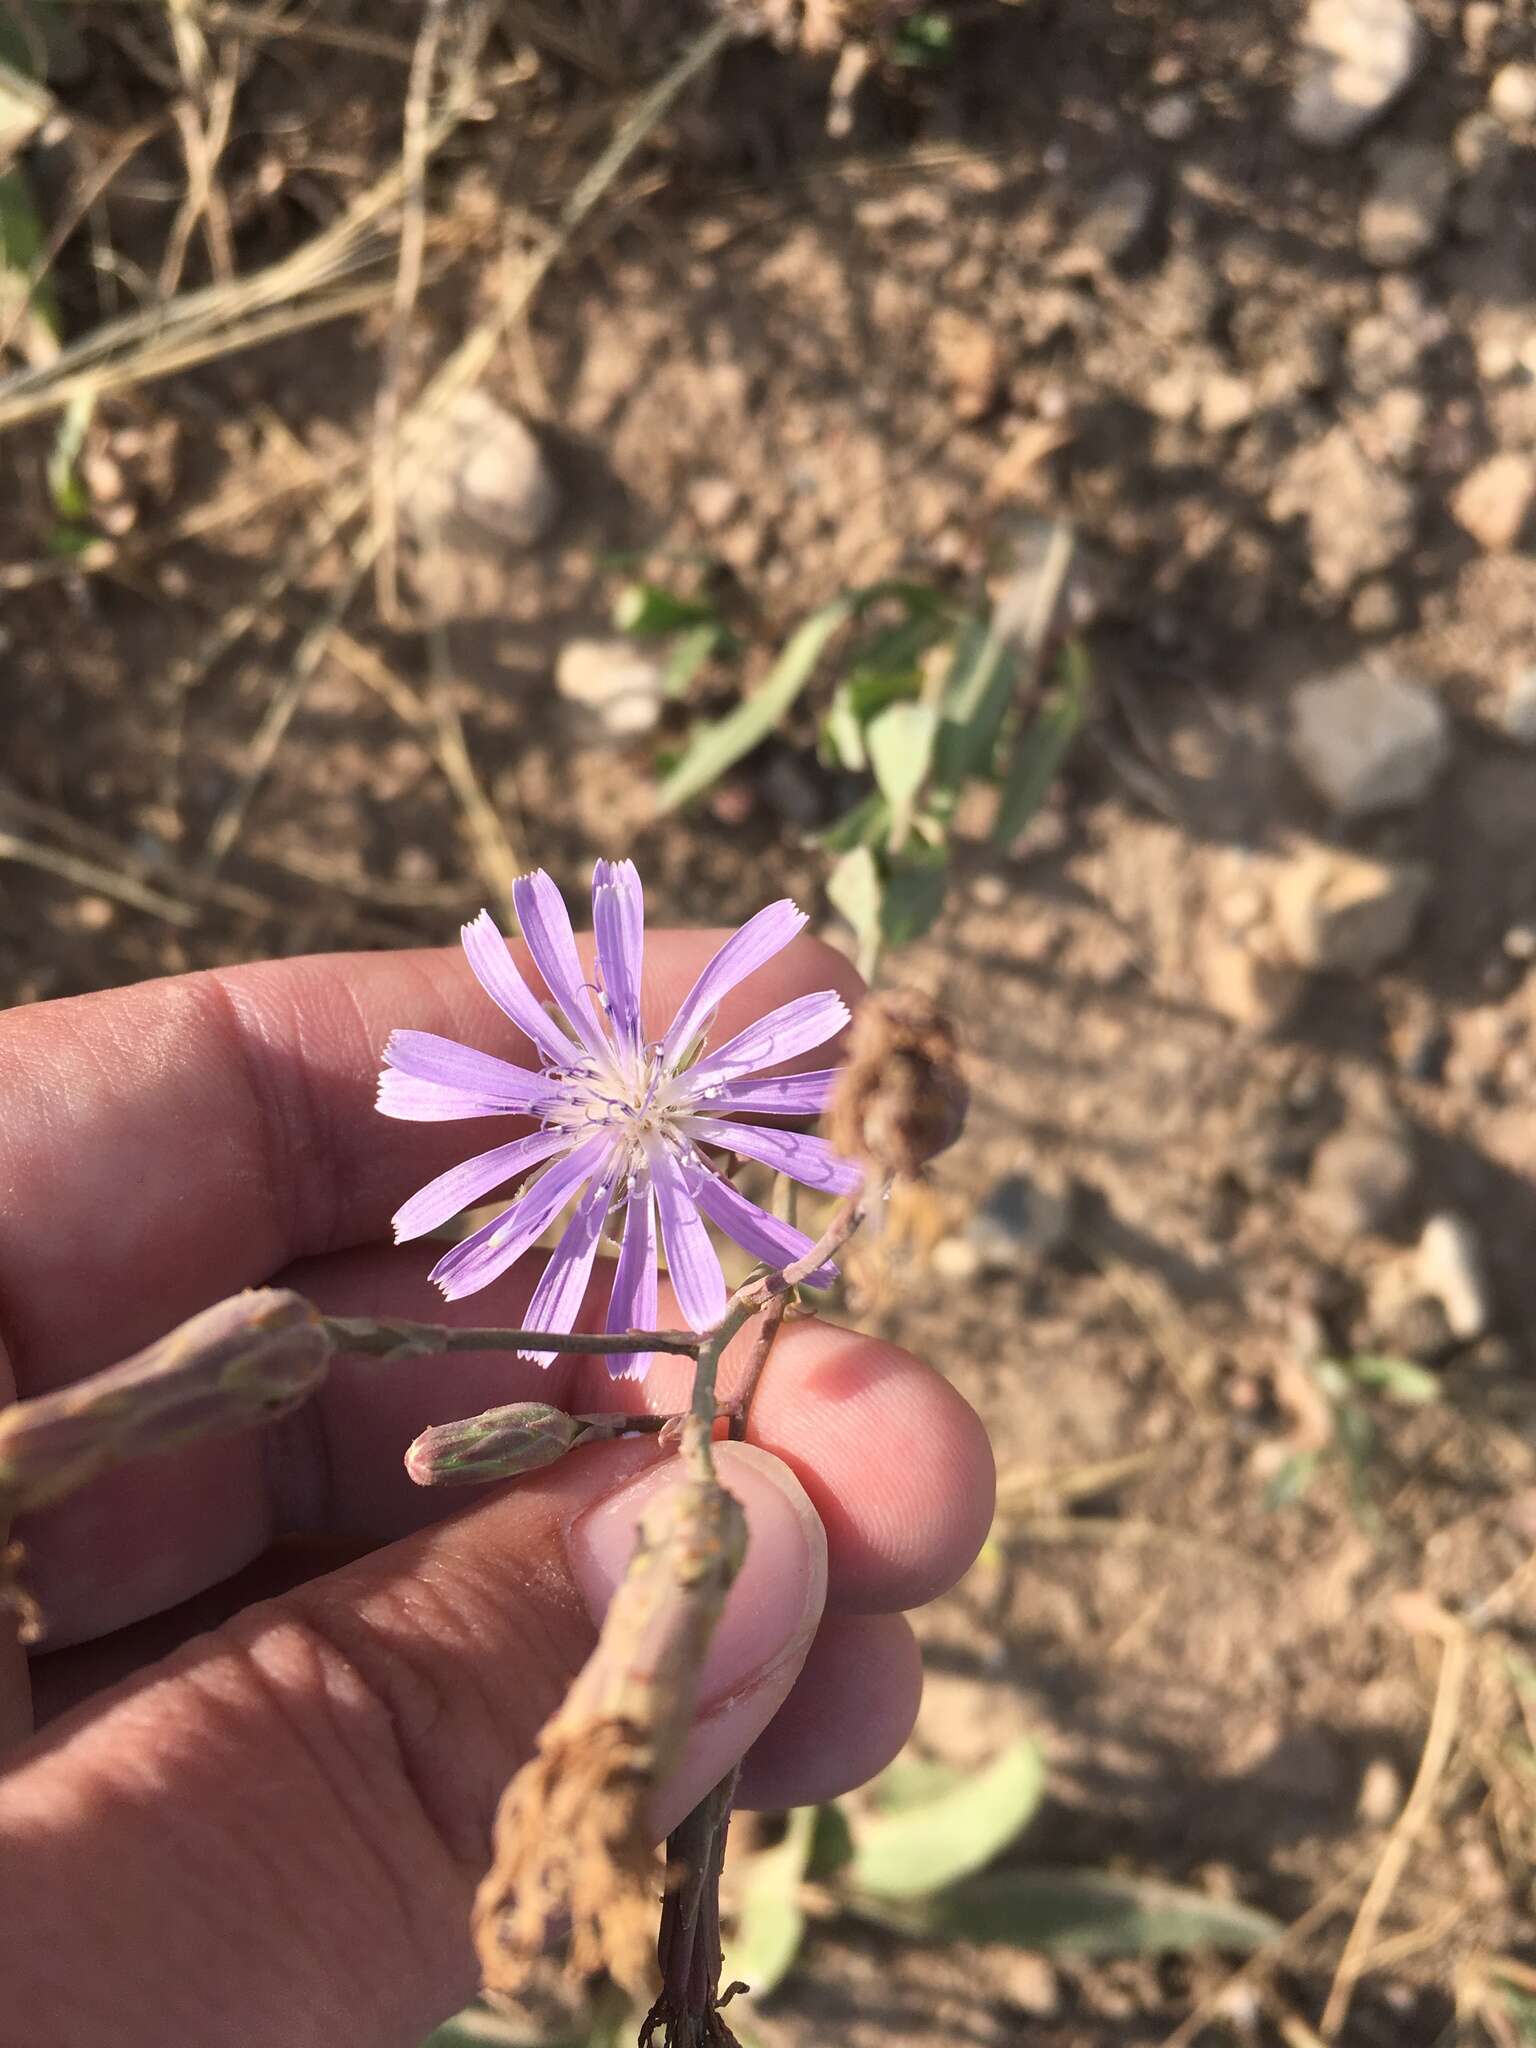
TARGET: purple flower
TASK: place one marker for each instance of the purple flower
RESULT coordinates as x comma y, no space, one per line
623,1121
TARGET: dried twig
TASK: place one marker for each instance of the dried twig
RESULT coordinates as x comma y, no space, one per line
386,416
1454,1664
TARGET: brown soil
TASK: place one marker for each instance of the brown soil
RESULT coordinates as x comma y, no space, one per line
811,321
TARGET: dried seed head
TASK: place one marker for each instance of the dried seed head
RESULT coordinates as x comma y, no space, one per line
496,1445
572,1840
902,1098
243,1361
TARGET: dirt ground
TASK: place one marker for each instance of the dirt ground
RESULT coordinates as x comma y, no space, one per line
1085,269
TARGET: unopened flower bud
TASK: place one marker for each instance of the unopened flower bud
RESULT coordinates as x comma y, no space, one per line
902,1097
496,1445
245,1360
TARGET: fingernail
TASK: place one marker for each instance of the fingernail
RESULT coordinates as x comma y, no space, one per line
774,1605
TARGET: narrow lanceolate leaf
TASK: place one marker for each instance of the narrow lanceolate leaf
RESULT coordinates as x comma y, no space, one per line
1040,750
720,746
856,890
900,743
1074,1912
921,1849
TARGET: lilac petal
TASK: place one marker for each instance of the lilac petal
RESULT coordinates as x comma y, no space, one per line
546,928
632,1305
764,1236
462,1186
486,1254
791,1029
492,966
770,1094
618,921
558,1297
427,1079
808,1160
742,954
696,1276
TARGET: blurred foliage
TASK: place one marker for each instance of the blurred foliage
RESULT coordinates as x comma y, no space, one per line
917,1855
1347,1386
919,697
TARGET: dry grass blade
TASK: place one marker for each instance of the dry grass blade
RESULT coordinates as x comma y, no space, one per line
1454,1664
87,874
407,285
203,139
218,319
495,856
463,369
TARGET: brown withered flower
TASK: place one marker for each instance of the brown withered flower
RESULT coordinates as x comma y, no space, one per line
902,1096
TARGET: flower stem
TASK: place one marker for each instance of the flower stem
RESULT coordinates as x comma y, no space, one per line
378,1337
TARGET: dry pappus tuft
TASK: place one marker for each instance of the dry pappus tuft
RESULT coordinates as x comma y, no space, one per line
902,1097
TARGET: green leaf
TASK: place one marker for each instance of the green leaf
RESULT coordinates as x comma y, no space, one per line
1076,1912
717,747
71,499
916,883
24,104
1292,1480
1400,1379
923,39
650,609
856,891
922,1849
694,649
900,743
865,825
21,249
1040,750
979,690
770,1925
914,1781
831,1844
842,735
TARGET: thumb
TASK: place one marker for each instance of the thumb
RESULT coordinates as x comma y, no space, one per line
271,1839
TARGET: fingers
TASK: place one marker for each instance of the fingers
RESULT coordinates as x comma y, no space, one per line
271,1840
848,1713
894,1459
185,1138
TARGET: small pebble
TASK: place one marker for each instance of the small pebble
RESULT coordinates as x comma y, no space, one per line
1512,95
1451,1270
1381,1793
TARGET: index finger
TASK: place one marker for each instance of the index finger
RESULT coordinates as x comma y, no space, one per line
170,1143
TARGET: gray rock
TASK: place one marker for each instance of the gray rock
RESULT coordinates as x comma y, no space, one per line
1360,1179
1493,502
617,683
1451,1271
1117,222
1356,56
1020,1224
1517,714
1404,210
1359,516
1344,913
479,476
1171,117
1368,741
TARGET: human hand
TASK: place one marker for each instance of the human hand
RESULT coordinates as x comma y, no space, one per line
267,1834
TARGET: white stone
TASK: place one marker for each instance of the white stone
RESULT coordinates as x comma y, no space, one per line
1405,207
1512,95
1172,116
1344,913
1356,56
1451,1271
476,473
1517,715
1368,741
617,682
1494,501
